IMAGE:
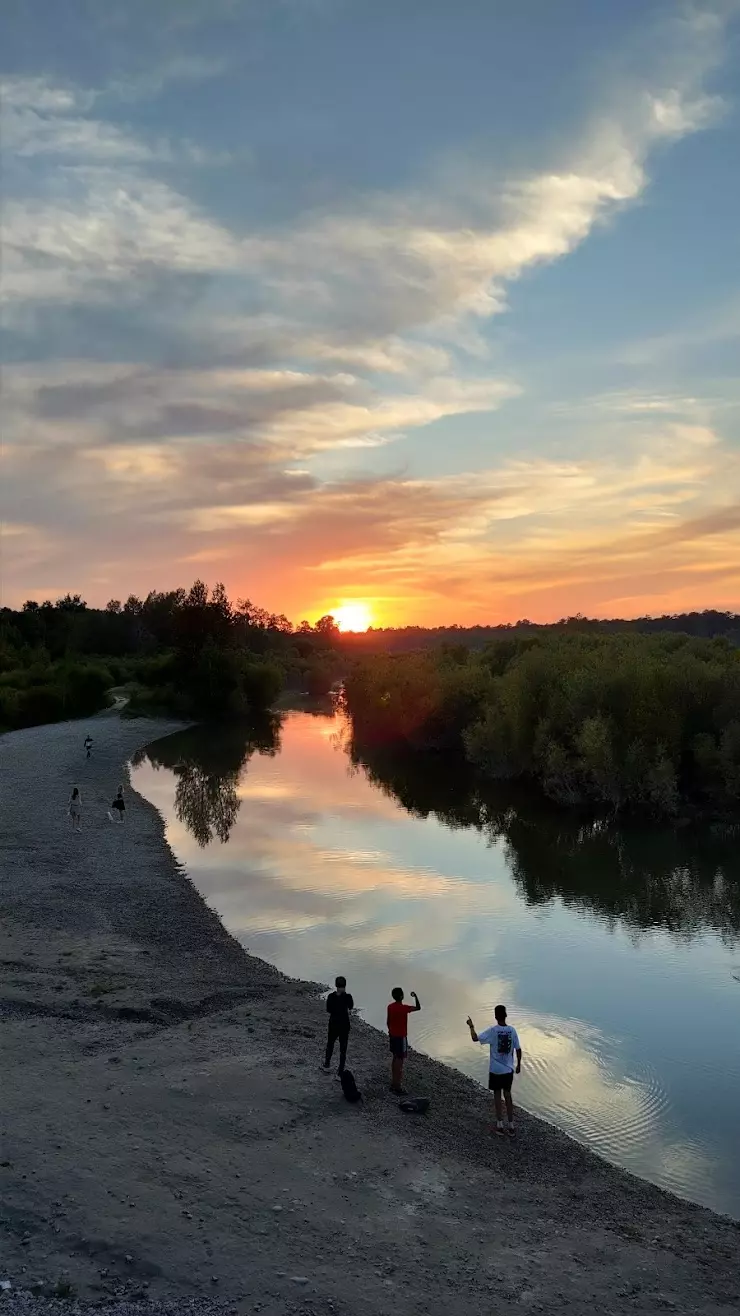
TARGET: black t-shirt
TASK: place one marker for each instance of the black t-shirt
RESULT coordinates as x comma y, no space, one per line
338,1007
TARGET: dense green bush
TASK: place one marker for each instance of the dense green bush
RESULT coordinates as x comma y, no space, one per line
45,691
188,652
626,721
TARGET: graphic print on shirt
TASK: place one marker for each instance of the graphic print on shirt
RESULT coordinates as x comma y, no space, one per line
504,1044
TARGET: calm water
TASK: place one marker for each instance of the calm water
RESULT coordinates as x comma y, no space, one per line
617,953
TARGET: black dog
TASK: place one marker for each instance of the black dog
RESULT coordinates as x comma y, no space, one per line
349,1087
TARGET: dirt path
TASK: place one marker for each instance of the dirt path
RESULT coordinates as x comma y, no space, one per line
166,1130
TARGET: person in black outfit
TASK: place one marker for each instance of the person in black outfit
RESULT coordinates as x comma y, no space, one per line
338,1006
119,804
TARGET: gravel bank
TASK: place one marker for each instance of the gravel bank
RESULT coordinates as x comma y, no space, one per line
169,1143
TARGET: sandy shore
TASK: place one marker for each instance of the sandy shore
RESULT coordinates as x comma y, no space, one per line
168,1136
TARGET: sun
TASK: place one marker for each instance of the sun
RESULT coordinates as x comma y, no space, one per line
353,616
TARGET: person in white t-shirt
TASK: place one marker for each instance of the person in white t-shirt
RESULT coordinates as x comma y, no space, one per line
504,1044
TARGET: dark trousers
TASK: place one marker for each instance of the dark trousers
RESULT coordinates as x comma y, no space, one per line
340,1033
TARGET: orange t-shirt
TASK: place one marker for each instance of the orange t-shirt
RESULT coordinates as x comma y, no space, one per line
398,1018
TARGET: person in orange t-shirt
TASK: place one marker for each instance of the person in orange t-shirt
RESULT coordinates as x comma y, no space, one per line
398,1028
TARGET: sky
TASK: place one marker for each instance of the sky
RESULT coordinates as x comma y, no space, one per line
421,307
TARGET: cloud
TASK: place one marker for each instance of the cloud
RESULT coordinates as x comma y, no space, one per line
44,120
531,535
296,413
522,537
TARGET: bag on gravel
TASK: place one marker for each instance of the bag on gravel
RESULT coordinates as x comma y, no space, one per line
349,1087
414,1105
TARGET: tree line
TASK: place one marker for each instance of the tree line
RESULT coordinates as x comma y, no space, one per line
617,723
707,625
192,653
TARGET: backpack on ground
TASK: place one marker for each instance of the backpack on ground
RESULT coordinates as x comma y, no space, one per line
414,1105
349,1087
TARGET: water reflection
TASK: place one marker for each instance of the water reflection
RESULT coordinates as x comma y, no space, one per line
684,880
208,765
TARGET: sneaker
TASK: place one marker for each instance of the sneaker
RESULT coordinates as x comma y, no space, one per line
399,1092
326,1068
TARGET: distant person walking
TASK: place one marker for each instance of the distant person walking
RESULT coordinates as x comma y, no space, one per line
504,1044
75,810
398,1028
88,746
338,1006
119,805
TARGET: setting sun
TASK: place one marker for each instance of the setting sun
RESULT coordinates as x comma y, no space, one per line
353,616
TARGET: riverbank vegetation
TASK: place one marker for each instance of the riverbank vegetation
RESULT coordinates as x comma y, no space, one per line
191,652
616,723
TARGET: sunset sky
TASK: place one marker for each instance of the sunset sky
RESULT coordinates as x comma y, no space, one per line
426,306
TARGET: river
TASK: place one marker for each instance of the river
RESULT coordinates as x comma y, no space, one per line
617,952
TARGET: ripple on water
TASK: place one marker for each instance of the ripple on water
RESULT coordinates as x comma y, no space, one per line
626,1118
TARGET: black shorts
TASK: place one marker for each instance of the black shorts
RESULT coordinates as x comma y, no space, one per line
399,1047
500,1082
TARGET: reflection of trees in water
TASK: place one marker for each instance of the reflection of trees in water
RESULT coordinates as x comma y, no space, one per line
208,763
684,881
207,805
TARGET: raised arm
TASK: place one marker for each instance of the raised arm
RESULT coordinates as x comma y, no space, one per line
417,1002
471,1026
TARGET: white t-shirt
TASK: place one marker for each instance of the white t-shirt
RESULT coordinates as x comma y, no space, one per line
504,1044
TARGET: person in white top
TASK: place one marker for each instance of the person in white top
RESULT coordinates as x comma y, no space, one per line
504,1044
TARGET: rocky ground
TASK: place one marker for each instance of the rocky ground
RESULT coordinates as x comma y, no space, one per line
169,1144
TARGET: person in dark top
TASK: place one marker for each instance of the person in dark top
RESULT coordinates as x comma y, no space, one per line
338,1006
87,745
119,804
